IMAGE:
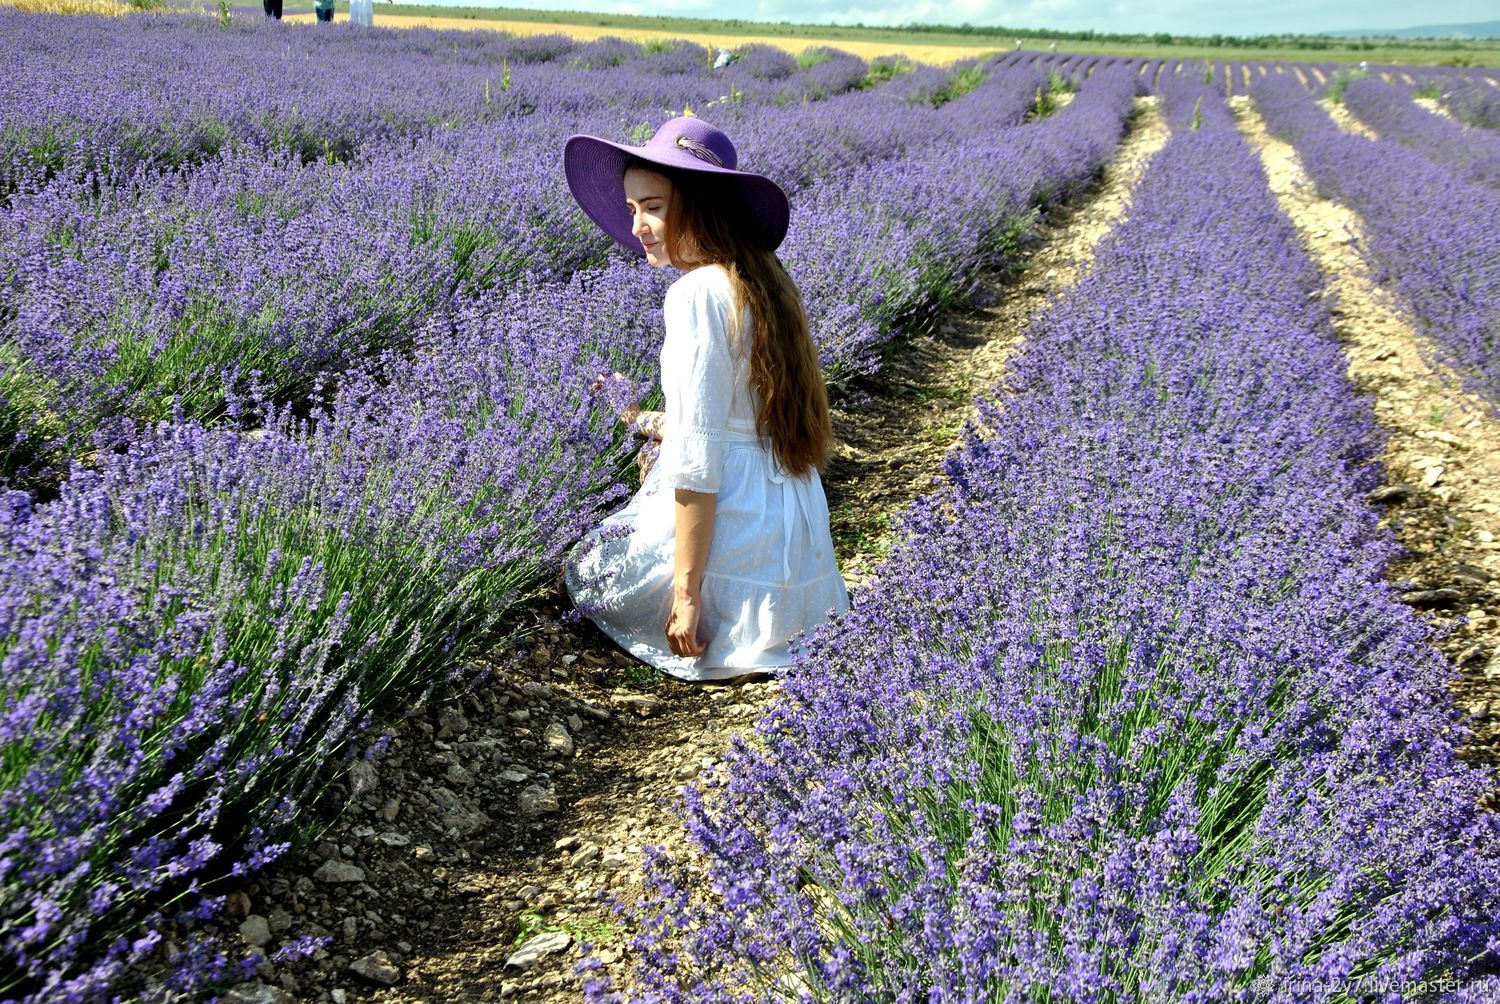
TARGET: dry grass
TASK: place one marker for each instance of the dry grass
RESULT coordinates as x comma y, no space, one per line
937,54
112,7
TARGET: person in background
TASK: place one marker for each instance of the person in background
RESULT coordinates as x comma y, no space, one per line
273,8
323,9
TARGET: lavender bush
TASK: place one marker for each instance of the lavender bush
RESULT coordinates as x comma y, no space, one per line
108,93
105,94
181,282
1432,234
989,184
1473,102
1131,713
199,625
1471,155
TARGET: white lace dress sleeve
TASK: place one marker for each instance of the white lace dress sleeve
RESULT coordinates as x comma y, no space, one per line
698,375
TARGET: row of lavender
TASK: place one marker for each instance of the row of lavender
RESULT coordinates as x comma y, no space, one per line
1472,155
179,281
82,97
1431,231
204,619
109,93
1131,713
1472,102
1471,95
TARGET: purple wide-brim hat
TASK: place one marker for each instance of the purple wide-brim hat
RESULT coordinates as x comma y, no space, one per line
596,175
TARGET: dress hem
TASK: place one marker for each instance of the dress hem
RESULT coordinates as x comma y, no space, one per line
684,668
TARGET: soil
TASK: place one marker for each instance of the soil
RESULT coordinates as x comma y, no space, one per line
507,814
1434,106
1442,460
1345,120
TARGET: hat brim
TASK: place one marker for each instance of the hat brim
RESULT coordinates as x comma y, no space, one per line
595,171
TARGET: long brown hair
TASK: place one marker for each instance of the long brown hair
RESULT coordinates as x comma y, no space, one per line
707,223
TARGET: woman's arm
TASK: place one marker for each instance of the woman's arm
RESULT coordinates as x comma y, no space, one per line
698,374
694,534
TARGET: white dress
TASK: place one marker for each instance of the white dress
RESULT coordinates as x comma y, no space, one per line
771,571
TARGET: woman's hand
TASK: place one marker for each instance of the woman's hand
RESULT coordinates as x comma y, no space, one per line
646,424
682,624
645,457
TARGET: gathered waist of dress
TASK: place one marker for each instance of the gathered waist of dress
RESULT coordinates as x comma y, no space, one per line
747,436
729,434
746,439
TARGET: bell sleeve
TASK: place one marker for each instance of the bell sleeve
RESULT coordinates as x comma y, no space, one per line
700,387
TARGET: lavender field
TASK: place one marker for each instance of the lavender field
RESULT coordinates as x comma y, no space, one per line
298,345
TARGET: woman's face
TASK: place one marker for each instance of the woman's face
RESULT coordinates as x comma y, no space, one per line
647,196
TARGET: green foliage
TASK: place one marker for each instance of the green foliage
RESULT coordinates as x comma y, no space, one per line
641,132
963,82
584,930
812,57
884,68
1059,84
639,676
1197,115
655,44
531,923
857,528
1042,105
1433,91
1341,80
29,431
736,95
212,135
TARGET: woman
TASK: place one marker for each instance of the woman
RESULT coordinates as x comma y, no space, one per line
724,554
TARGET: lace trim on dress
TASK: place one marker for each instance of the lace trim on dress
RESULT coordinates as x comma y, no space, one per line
696,432
691,456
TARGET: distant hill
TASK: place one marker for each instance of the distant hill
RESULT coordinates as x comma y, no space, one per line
1474,29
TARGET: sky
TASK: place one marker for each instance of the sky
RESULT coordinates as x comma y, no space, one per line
1187,17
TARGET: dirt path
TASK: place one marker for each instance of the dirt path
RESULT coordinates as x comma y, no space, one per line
1434,106
1443,457
1345,120
500,818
